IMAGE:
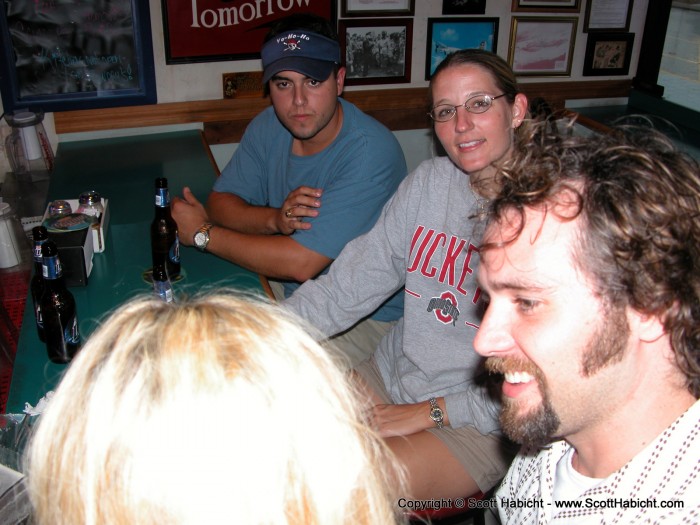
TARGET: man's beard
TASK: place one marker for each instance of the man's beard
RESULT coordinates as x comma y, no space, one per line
540,425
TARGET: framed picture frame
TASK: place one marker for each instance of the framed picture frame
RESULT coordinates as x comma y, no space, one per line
450,34
463,7
376,51
607,15
549,6
58,58
542,46
216,31
370,8
608,54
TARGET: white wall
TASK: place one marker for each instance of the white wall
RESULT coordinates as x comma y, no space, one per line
202,81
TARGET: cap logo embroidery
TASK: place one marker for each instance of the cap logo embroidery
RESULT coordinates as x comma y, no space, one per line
292,45
292,41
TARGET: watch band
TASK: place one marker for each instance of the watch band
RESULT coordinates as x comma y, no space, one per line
436,412
204,231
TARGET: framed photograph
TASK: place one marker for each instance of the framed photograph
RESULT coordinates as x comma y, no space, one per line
369,8
75,55
549,6
542,46
607,15
608,54
463,7
217,30
446,35
376,51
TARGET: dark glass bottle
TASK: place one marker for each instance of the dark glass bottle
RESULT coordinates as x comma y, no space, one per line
40,235
58,309
165,245
161,284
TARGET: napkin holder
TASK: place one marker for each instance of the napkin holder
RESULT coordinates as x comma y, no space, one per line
76,248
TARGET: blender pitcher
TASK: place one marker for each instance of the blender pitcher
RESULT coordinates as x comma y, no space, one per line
27,145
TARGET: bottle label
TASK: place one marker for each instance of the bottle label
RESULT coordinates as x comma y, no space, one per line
174,252
37,251
71,333
51,268
164,290
162,197
37,315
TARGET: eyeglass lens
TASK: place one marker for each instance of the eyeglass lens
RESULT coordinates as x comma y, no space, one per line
476,104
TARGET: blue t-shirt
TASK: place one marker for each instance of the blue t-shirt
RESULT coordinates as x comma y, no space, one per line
358,173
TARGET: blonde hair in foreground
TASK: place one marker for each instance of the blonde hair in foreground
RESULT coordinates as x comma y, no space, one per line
217,409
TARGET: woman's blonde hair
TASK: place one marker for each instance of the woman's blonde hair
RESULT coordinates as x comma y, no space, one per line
215,409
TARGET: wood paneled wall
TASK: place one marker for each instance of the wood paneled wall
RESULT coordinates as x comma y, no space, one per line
225,120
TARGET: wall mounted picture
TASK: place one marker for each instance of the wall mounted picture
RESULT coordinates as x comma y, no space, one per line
213,30
607,15
369,8
376,51
547,6
446,35
542,46
463,7
61,56
608,54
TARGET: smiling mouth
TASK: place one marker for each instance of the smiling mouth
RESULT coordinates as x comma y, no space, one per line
518,377
470,144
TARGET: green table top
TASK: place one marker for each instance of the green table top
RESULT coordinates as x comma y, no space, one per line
123,170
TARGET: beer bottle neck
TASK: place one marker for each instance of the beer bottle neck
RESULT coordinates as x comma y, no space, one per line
38,257
162,198
52,270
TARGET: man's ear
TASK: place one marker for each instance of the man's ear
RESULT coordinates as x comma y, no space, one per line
649,327
340,80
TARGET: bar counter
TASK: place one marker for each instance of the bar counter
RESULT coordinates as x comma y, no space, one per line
123,170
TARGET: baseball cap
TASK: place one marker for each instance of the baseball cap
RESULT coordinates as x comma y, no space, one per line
302,51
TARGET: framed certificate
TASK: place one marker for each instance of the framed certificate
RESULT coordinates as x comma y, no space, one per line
607,15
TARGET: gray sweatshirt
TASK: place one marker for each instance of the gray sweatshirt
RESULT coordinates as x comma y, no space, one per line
424,240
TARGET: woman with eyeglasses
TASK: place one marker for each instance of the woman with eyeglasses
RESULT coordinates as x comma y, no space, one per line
424,381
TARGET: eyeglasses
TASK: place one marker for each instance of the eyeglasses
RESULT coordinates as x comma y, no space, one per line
475,104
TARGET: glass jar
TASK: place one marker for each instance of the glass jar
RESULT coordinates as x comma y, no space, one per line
11,237
59,208
90,204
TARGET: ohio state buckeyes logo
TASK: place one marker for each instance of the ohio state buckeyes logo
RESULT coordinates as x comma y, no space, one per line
445,308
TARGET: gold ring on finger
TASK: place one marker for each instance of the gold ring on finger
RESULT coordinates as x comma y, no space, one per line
288,213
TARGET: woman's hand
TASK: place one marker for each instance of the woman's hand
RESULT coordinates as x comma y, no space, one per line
402,420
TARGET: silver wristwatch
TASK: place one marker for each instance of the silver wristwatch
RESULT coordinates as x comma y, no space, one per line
436,412
201,237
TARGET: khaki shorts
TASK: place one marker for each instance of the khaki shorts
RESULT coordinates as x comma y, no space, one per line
355,344
485,458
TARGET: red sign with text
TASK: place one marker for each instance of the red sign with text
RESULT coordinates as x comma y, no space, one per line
218,30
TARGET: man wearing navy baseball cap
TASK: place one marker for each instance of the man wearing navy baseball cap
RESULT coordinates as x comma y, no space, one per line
311,173
306,52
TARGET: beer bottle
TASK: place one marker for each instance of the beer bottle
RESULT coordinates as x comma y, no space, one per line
58,310
40,235
161,284
165,246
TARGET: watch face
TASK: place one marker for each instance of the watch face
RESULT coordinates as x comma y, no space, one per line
436,414
199,239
